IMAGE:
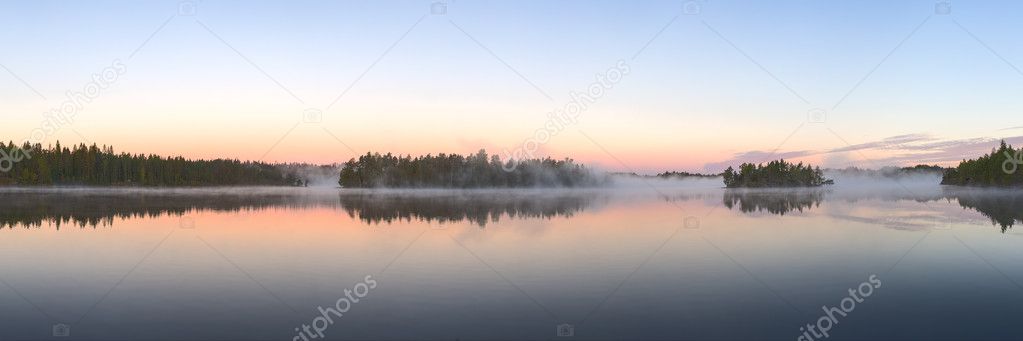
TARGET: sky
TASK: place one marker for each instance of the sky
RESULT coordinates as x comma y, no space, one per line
697,85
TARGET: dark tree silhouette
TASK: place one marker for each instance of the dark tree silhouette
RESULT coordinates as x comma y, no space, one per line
1002,167
775,174
456,171
100,166
778,203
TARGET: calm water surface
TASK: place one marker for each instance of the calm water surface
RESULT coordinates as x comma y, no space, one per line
657,262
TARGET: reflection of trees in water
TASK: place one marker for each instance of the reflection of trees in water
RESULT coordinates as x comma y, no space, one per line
85,209
775,202
1004,208
477,208
90,209
61,209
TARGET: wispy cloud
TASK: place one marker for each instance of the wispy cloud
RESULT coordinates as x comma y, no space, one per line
899,150
894,142
756,156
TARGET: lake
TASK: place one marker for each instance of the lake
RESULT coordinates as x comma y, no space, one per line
651,260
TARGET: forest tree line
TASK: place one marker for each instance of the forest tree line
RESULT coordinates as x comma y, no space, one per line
457,171
101,166
1002,167
775,174
93,165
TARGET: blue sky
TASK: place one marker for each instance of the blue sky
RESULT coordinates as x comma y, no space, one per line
705,87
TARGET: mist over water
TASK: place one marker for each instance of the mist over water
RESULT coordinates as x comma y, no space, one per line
912,184
688,183
317,176
35,206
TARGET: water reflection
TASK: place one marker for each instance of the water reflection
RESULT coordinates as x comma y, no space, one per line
81,208
102,207
777,202
96,208
479,208
1003,207
235,276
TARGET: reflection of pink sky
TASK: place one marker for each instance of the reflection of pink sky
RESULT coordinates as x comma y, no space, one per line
279,243
607,259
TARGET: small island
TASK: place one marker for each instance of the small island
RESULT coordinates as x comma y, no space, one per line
456,171
775,174
1000,168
